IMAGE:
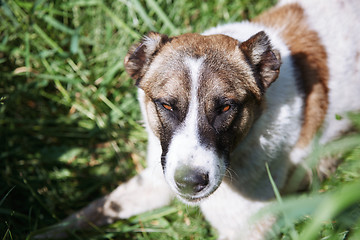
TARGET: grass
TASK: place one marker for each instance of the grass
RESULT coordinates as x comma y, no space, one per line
70,128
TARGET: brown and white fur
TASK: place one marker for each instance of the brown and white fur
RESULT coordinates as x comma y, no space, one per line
220,105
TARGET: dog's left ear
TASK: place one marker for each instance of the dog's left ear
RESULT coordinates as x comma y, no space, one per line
140,55
264,59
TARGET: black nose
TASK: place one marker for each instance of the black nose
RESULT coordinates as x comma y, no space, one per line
191,181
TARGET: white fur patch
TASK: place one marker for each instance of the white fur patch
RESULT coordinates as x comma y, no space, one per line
185,148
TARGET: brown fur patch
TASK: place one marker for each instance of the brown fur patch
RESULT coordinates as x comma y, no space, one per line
310,59
221,52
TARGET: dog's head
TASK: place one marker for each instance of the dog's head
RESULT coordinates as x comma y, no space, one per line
202,95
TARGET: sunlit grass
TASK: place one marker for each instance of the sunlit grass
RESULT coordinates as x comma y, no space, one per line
70,128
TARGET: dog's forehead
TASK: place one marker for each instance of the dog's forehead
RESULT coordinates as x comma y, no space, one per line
222,67
193,44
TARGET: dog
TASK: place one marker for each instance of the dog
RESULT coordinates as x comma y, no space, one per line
220,106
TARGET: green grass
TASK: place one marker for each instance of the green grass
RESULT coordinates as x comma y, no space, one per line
70,128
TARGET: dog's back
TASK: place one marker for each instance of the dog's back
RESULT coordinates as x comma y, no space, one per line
336,22
331,81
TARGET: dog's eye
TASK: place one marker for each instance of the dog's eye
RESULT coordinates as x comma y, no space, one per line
167,106
225,108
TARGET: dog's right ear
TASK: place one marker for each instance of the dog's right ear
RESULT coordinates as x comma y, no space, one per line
141,54
263,57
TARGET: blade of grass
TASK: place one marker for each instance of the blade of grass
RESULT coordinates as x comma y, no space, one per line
288,223
47,39
58,78
74,45
77,70
348,195
111,105
62,90
140,9
156,8
110,73
7,194
81,3
27,54
120,23
341,146
7,11
273,184
87,113
8,232
155,214
13,213
118,111
37,4
56,24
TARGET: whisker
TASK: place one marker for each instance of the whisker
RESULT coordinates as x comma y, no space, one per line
229,172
